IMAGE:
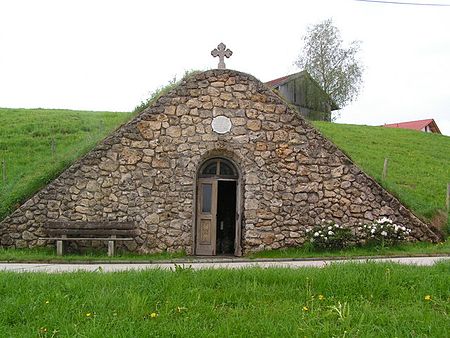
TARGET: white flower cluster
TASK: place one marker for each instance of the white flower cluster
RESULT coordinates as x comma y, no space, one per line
328,233
385,228
384,220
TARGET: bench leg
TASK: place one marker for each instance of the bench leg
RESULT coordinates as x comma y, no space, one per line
111,248
59,248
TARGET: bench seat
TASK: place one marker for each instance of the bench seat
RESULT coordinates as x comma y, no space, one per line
112,232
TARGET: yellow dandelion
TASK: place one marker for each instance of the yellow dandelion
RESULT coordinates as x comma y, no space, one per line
321,297
305,308
89,314
153,315
181,309
427,298
47,302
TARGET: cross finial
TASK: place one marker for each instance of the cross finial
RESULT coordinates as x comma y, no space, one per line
221,51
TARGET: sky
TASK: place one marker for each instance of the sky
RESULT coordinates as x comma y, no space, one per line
110,55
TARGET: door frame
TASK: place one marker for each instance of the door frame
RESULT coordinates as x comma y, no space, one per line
239,204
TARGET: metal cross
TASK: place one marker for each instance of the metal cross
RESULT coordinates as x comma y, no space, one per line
221,52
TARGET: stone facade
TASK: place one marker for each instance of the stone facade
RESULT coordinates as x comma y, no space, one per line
146,171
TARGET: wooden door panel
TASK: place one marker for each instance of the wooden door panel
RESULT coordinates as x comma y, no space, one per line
205,232
206,217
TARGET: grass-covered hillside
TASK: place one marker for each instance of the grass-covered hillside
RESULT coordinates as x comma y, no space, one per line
37,144
418,167
419,163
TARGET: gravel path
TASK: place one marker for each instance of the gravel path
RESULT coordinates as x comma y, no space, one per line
211,264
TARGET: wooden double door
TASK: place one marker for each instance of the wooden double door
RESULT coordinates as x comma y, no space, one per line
218,221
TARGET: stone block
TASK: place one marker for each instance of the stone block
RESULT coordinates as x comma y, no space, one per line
251,203
252,179
161,163
28,236
218,84
92,186
173,131
213,91
254,125
130,156
239,87
183,109
108,165
280,136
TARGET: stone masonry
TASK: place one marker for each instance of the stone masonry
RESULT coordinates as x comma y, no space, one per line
292,176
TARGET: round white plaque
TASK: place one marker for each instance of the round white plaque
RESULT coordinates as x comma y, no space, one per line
221,124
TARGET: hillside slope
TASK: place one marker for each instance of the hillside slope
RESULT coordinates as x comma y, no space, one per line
419,163
37,144
418,167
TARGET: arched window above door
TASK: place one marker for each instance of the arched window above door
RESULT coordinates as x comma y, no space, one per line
218,167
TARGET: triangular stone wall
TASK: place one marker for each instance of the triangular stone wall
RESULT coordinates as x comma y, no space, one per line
292,177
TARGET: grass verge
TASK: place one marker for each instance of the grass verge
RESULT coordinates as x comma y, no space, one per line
49,254
342,300
406,249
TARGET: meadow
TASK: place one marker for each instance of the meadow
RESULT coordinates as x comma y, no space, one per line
341,300
38,144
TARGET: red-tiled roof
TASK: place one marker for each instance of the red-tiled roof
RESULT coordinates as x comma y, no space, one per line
415,125
277,82
281,80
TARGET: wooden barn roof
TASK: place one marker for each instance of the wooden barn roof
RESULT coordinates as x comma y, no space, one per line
284,79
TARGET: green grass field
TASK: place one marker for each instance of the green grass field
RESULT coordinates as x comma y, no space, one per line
342,300
26,146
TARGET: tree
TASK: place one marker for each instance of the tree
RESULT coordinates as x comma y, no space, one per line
335,68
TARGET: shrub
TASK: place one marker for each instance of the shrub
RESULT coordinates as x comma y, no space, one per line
329,235
384,231
163,90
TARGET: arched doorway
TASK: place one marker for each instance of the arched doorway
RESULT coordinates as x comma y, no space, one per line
218,230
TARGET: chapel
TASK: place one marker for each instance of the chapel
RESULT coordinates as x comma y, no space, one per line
219,165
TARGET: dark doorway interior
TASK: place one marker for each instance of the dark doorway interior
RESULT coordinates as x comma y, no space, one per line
226,217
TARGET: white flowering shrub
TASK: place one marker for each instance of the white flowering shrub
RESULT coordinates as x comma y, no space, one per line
329,235
384,231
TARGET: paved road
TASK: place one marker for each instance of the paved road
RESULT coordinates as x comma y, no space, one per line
228,264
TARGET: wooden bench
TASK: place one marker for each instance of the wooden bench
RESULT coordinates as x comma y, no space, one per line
89,231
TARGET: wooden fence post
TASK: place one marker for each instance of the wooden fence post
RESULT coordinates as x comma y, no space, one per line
4,171
53,146
448,197
385,168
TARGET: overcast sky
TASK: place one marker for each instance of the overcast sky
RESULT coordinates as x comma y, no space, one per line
109,55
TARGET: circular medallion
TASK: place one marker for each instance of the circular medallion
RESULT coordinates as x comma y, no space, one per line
221,124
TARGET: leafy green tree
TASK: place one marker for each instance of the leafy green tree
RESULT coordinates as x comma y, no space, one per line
336,68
